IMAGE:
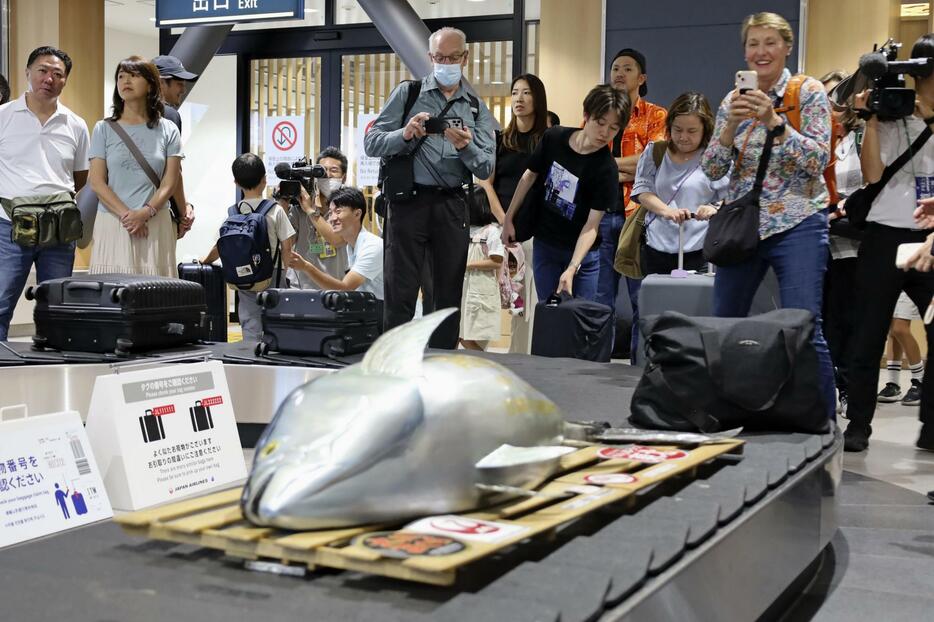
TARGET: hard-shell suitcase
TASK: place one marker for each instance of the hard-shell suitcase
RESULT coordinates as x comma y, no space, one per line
151,427
117,313
200,417
573,328
308,321
211,278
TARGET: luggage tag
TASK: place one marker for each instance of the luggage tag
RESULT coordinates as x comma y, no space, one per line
328,252
316,248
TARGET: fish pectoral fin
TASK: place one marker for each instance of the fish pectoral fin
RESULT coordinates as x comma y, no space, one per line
520,467
509,455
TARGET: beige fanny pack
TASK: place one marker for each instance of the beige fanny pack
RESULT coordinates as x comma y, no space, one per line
43,220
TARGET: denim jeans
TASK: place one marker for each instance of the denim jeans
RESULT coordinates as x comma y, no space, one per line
608,283
53,262
799,258
549,262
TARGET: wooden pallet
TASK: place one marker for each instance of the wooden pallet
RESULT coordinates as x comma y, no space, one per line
214,521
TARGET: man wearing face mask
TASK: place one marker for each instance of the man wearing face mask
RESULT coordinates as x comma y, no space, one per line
317,242
432,226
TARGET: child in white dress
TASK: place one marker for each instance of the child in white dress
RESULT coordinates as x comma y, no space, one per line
480,303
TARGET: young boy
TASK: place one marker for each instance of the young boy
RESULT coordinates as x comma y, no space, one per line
364,250
250,176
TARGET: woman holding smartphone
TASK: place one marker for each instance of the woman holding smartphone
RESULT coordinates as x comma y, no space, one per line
580,180
677,194
891,223
792,216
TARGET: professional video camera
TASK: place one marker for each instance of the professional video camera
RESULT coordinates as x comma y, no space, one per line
889,99
300,173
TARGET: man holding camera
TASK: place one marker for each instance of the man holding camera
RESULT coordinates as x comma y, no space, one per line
450,133
891,223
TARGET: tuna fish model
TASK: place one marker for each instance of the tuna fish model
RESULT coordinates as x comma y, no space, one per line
401,435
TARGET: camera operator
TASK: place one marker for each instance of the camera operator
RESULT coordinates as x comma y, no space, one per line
317,242
431,225
890,223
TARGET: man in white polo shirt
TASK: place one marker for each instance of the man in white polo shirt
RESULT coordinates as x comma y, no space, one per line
364,250
43,150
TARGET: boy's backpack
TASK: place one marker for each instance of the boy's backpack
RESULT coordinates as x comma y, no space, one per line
244,249
791,106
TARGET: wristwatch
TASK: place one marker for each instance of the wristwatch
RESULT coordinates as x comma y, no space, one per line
779,129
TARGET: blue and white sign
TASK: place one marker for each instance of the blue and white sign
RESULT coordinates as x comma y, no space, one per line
49,480
172,13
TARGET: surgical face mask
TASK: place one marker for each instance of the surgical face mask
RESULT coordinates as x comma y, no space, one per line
447,75
327,185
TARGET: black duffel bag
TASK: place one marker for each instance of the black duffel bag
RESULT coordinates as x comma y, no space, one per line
710,374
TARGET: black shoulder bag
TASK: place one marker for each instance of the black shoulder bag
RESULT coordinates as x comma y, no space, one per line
733,233
859,203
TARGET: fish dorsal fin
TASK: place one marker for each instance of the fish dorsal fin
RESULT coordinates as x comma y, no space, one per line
400,351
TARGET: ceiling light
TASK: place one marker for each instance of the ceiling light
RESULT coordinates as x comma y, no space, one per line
311,10
152,19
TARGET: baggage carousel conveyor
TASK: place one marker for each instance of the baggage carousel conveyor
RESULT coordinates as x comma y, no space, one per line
735,543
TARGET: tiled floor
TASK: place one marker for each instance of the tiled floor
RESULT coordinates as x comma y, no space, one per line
892,456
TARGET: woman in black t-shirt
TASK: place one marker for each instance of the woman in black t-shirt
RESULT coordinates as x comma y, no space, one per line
516,143
580,180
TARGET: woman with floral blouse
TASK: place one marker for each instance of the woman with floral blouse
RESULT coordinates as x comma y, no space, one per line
792,219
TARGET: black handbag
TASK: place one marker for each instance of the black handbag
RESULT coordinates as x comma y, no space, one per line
709,374
733,233
859,203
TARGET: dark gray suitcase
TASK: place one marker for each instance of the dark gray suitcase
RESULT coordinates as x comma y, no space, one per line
321,323
117,313
211,278
573,328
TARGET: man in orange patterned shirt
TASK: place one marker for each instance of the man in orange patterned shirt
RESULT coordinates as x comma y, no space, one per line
647,124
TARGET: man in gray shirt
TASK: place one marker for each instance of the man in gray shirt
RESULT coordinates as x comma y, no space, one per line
432,226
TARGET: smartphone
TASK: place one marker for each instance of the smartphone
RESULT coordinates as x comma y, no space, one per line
455,122
435,125
905,251
746,81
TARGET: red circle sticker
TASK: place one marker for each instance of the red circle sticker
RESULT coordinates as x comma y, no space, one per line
640,453
284,135
610,478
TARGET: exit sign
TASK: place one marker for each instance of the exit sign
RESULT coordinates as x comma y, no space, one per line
173,13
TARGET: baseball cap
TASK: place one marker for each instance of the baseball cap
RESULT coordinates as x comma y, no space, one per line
171,67
640,59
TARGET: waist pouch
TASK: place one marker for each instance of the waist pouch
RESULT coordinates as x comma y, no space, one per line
43,220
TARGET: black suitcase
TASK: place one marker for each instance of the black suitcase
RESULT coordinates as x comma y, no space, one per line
200,417
573,328
117,313
151,427
309,321
211,278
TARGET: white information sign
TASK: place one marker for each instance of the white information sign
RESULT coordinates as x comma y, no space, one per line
284,141
367,167
165,433
49,480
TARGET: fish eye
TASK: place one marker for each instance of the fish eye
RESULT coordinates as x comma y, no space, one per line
269,449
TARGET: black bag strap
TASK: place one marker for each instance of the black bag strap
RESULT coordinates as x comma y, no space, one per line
135,152
770,137
702,420
902,160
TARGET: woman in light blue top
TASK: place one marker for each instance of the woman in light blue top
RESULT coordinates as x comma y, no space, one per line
133,231
677,194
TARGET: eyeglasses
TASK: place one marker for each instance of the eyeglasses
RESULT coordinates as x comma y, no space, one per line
448,60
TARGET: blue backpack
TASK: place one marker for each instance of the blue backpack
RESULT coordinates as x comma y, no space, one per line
243,246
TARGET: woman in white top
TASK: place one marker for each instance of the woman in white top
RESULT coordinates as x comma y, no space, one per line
891,223
678,195
133,231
